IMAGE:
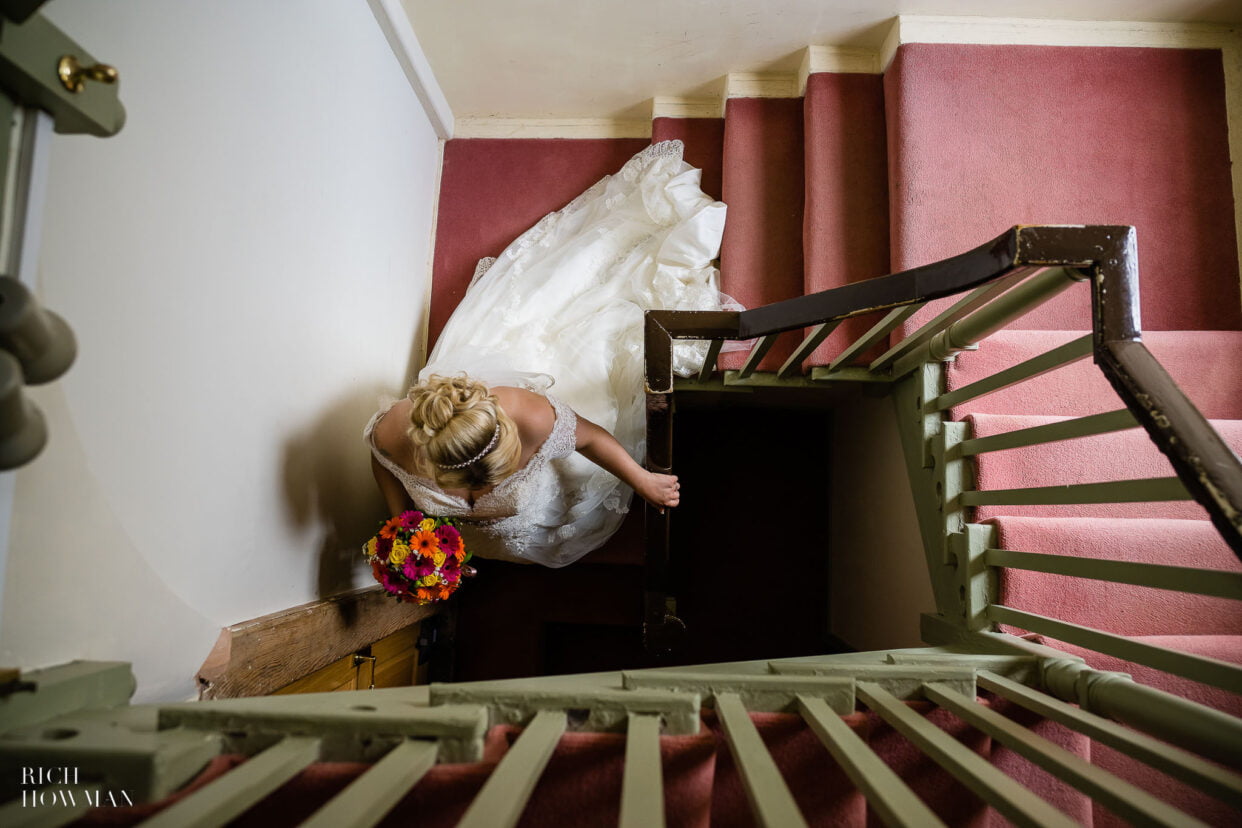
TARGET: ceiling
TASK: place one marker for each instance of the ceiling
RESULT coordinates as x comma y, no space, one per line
607,58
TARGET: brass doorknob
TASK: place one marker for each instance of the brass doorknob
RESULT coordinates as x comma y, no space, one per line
73,75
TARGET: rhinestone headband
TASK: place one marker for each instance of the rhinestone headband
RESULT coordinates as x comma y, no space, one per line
479,456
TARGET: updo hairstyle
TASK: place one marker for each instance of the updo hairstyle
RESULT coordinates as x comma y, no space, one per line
452,419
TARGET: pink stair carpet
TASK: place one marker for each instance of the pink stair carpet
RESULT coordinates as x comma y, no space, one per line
1207,365
493,190
704,142
1121,455
1112,607
985,137
761,253
845,226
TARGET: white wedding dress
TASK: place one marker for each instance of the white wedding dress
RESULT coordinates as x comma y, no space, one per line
562,307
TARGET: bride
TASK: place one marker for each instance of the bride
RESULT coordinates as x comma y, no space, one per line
536,476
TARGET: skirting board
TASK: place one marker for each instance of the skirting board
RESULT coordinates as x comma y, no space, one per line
255,657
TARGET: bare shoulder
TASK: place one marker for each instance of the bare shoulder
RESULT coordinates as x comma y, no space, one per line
532,412
390,431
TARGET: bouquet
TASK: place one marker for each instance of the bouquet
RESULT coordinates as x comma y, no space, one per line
417,558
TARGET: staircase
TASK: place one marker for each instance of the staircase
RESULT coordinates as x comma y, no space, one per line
1013,399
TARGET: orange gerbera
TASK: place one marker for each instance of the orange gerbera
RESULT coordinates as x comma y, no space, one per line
443,592
425,594
424,542
389,529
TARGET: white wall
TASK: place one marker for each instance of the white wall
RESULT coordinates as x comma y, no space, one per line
246,266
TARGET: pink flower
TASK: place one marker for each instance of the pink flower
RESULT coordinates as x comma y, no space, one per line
449,538
410,519
410,569
390,585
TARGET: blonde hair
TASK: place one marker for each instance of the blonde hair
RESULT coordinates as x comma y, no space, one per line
453,420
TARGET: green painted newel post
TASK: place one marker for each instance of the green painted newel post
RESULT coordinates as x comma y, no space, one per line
43,68
44,75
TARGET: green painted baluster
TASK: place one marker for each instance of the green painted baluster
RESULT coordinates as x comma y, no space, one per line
227,797
1015,802
504,795
1115,491
770,800
1066,354
1119,796
1177,578
642,788
757,354
813,340
973,300
881,329
991,317
371,796
1087,426
1206,776
709,362
893,802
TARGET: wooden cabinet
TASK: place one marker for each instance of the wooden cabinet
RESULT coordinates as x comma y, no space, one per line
390,662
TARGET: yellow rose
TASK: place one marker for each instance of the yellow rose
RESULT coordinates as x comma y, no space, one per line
369,548
430,580
428,525
400,551
437,557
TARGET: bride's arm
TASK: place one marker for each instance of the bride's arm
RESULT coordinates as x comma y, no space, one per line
395,495
535,417
601,448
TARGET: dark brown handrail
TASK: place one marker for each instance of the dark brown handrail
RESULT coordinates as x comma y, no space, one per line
1210,470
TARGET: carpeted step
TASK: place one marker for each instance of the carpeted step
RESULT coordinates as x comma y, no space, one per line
1122,455
704,142
1114,607
493,190
845,226
1207,366
761,253
978,143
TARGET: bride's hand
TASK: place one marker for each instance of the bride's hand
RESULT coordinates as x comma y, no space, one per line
660,490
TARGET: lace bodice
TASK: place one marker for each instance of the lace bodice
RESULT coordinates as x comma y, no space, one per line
503,520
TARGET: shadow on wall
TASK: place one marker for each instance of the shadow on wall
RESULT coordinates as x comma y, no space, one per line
329,487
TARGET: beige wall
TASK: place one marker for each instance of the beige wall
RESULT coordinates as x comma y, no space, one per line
245,266
877,567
